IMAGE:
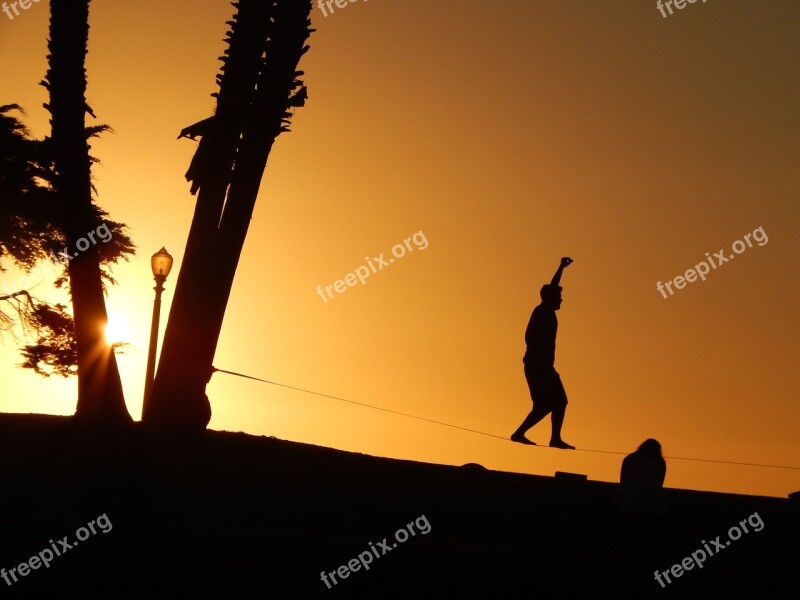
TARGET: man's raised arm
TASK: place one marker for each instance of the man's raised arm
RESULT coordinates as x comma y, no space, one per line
565,262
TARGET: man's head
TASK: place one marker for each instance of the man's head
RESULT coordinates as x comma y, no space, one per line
551,296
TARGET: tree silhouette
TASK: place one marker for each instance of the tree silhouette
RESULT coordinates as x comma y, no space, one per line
100,396
31,236
258,87
28,208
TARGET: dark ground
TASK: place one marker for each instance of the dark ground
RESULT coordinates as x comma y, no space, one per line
259,517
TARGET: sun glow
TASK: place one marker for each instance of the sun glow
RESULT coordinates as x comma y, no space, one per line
116,331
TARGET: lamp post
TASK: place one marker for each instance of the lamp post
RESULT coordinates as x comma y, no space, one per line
161,263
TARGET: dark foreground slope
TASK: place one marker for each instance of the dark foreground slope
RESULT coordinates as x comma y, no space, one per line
252,516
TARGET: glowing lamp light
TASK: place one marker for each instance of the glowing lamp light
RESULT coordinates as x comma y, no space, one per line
161,262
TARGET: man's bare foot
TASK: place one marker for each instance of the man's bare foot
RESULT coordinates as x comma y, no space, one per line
561,444
518,437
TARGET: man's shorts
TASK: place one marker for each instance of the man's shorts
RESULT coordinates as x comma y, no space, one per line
547,391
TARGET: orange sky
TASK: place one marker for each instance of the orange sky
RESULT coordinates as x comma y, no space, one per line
510,134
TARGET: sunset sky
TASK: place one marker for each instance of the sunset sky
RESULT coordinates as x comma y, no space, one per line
506,135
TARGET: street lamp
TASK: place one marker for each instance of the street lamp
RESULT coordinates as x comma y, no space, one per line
161,263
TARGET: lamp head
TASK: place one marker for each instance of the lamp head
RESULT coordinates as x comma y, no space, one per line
161,263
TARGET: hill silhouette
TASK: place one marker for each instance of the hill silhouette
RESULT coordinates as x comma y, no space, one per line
257,516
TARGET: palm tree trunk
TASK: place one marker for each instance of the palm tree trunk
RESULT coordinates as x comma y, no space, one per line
100,396
252,104
278,80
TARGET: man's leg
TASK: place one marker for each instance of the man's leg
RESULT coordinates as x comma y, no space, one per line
557,418
538,413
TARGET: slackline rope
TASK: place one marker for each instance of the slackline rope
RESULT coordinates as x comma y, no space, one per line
505,439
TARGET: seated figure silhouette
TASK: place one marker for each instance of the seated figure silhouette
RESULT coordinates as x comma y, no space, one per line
544,382
641,480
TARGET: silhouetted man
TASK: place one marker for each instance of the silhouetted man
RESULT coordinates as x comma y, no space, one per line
544,382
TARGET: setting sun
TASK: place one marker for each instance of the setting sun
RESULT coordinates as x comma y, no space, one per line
116,331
